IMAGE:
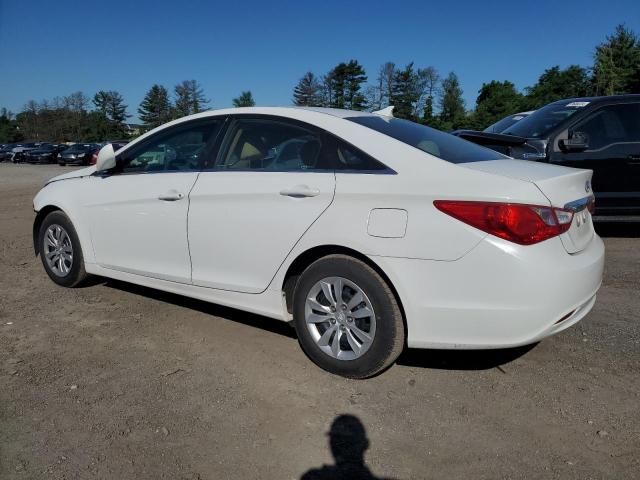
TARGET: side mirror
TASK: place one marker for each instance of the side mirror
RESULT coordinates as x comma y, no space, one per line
106,158
579,141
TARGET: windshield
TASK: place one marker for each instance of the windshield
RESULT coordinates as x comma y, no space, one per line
543,121
502,125
442,145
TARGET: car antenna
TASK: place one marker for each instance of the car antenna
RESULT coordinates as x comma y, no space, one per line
385,112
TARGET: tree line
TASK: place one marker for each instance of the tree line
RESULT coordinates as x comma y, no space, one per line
420,94
423,95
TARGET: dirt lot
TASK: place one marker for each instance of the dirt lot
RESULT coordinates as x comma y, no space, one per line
118,381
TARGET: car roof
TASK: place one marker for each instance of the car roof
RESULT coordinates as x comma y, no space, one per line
282,111
604,98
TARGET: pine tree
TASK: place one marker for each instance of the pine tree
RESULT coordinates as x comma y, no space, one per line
190,98
452,112
403,92
244,100
346,81
616,66
307,91
155,108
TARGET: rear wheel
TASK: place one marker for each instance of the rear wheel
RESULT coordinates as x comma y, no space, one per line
347,318
60,250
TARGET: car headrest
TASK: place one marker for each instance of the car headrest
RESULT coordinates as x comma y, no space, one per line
309,153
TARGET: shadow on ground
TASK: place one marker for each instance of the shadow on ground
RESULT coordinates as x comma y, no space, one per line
618,229
462,359
433,359
348,443
245,318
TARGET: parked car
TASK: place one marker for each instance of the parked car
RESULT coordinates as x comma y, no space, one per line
598,133
46,153
504,123
117,145
369,232
77,154
6,152
19,152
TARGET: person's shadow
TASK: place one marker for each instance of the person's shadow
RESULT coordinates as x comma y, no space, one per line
348,442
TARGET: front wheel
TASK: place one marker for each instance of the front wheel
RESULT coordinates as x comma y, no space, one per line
60,251
347,318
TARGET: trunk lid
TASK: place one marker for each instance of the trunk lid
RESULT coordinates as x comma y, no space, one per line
568,188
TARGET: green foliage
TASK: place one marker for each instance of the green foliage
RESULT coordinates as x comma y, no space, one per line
495,100
452,112
190,99
404,92
155,108
556,84
244,100
307,92
344,83
616,66
108,119
8,128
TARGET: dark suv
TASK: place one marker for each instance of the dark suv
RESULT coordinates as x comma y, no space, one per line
597,133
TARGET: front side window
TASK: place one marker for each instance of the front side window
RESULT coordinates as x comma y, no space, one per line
182,148
610,125
271,145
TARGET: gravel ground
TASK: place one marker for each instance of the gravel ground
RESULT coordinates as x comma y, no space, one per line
118,381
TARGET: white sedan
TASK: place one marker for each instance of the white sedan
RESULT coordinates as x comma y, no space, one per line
367,232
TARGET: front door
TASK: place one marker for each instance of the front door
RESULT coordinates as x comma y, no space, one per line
246,214
139,212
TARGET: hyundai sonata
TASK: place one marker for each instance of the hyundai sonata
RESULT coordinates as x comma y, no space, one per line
367,232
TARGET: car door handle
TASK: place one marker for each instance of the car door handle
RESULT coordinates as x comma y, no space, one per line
171,196
300,191
634,160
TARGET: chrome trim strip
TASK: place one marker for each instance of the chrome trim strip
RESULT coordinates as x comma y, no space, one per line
580,204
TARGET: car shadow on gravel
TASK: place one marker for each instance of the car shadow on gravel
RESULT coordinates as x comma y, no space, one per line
462,359
239,316
434,359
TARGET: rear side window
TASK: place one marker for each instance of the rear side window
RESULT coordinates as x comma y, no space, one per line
439,144
271,145
350,158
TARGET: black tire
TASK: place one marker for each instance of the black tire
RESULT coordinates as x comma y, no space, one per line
77,273
389,338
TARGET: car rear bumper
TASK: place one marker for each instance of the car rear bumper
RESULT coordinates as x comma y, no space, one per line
498,295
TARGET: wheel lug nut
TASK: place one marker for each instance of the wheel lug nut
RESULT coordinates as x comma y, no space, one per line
333,309
344,307
349,319
333,320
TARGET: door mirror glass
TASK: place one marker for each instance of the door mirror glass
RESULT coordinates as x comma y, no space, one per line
579,141
106,158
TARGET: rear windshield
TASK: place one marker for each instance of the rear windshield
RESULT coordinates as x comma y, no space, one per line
82,147
442,145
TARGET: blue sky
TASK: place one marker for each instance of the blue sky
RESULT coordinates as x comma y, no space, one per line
50,49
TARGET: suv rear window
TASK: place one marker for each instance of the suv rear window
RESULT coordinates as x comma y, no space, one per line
439,144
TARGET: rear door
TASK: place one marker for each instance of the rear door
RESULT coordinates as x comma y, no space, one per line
613,133
270,183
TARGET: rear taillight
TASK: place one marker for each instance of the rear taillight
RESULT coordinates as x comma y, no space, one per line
518,223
